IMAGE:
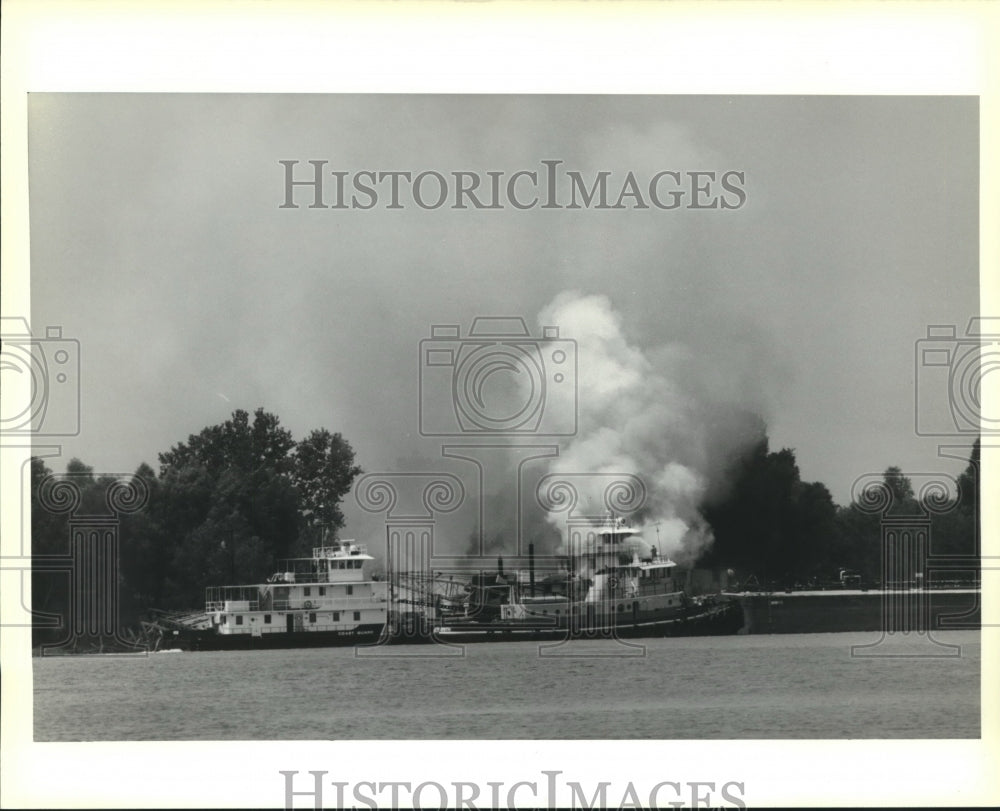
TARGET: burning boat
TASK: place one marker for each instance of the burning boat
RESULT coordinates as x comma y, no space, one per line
329,599
606,589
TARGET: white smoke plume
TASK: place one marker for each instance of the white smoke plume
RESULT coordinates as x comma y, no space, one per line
644,413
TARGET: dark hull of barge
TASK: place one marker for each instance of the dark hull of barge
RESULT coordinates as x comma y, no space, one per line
724,618
209,640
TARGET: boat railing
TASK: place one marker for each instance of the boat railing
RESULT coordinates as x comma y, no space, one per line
279,578
238,595
297,577
325,603
321,603
212,606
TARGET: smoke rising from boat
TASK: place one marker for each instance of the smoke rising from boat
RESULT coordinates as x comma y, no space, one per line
653,414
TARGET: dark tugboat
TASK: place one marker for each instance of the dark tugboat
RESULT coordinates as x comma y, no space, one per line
610,590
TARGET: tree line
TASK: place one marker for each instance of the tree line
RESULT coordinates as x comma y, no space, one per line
783,532
232,500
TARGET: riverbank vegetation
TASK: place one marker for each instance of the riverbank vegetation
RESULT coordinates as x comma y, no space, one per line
238,496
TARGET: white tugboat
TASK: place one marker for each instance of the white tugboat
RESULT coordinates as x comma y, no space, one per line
611,584
320,601
609,590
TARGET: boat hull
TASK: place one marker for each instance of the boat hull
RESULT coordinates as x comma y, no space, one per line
209,640
722,619
718,620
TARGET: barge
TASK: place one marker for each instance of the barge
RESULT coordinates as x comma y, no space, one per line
903,609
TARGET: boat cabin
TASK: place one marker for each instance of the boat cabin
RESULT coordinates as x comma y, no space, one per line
326,592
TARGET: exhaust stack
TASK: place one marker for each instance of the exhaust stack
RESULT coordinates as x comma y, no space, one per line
531,567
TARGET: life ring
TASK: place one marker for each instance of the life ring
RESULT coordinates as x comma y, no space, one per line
613,582
307,604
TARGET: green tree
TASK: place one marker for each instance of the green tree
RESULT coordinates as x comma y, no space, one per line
51,514
814,531
900,487
49,538
857,543
228,499
145,553
955,527
324,471
968,483
239,496
770,523
48,528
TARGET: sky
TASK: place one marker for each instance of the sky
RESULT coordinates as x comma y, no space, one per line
158,241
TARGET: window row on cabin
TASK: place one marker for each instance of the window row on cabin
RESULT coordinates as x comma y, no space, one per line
312,617
307,591
346,564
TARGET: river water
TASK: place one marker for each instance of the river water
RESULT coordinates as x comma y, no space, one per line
780,686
